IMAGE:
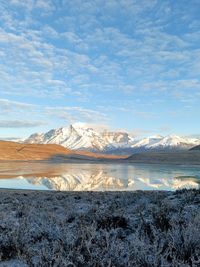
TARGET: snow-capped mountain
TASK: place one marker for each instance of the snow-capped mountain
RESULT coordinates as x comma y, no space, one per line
169,142
146,143
81,137
175,141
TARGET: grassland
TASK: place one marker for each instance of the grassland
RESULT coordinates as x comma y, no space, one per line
13,151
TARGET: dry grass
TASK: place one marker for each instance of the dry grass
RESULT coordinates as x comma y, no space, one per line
18,152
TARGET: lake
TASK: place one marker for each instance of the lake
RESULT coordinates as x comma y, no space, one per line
97,177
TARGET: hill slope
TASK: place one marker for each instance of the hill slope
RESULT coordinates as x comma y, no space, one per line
181,157
17,151
195,148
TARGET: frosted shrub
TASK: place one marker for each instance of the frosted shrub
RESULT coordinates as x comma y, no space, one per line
149,229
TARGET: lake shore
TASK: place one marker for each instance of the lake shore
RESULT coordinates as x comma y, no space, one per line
186,158
141,228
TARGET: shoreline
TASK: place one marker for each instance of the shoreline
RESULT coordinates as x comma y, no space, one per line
123,161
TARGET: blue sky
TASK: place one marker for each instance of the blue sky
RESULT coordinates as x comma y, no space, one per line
122,64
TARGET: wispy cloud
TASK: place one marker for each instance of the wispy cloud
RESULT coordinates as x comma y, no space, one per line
9,104
20,124
74,114
45,114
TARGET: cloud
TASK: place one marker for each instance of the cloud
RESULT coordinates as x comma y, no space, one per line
14,139
9,104
124,62
74,114
20,124
35,62
15,109
29,5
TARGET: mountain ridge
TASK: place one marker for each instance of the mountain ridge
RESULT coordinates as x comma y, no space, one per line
84,138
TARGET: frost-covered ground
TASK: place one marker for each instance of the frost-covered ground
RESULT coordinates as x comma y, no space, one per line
100,229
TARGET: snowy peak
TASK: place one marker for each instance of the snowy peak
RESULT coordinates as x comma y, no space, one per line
175,141
117,139
148,142
35,139
166,143
80,136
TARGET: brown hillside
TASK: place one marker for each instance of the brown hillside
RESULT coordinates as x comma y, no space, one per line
17,152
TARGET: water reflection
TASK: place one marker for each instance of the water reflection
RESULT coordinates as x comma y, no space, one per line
95,177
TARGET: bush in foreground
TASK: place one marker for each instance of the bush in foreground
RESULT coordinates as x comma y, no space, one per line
100,229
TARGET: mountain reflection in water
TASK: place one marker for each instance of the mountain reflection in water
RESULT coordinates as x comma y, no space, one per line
97,177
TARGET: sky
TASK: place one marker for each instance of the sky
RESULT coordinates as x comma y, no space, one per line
123,64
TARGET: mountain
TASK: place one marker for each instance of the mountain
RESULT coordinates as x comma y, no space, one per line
170,142
146,143
81,137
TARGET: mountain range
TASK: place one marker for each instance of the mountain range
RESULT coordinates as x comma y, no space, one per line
79,136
